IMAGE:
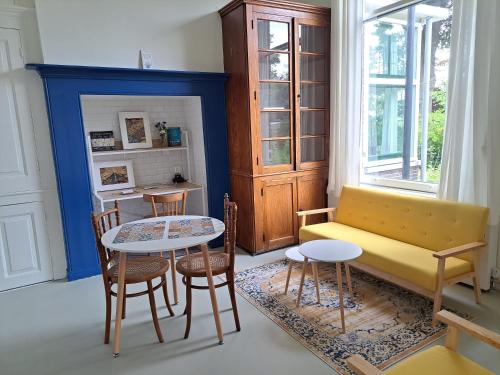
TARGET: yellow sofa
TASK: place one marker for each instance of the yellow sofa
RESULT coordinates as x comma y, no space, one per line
437,359
421,244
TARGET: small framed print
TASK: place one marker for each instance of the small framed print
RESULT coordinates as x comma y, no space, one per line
102,141
135,130
113,175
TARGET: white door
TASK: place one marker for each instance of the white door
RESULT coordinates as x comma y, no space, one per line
24,249
18,161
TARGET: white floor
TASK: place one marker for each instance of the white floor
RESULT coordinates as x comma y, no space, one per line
57,328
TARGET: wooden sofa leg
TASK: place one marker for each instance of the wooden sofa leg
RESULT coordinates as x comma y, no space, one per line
438,295
475,278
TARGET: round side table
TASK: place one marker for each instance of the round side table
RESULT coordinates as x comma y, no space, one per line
294,256
330,251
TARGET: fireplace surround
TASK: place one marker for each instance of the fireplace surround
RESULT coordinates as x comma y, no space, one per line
65,84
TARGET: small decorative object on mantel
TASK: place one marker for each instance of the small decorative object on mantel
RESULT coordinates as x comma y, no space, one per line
174,137
162,129
135,130
146,60
113,175
102,141
178,179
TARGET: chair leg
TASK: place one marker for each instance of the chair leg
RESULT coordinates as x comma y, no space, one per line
124,301
152,304
475,278
348,279
438,294
108,317
174,277
288,276
232,294
188,307
165,295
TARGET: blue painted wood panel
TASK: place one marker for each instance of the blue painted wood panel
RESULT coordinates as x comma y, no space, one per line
63,87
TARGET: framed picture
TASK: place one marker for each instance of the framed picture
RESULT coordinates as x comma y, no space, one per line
113,175
135,130
102,141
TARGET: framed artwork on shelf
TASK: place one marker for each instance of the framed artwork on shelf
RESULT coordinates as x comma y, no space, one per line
135,130
102,141
113,175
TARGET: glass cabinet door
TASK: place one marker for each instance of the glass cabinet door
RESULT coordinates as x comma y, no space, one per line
275,105
312,105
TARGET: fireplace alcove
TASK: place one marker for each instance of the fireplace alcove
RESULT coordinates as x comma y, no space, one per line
63,87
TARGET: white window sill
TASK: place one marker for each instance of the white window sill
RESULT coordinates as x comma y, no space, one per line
403,187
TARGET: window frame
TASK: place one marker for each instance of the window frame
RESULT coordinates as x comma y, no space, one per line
384,13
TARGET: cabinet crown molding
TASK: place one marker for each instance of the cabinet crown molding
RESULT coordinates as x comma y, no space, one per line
290,5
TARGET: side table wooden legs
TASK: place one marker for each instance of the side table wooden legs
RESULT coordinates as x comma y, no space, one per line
119,303
174,276
341,294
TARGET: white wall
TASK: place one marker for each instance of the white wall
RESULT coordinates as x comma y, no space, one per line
181,34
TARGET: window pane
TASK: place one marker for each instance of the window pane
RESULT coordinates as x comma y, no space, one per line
273,66
274,95
312,68
312,95
312,122
276,152
275,124
312,38
272,35
385,107
385,122
312,149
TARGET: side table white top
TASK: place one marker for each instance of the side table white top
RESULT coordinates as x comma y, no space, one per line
330,250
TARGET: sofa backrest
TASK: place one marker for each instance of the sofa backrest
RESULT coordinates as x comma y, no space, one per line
425,222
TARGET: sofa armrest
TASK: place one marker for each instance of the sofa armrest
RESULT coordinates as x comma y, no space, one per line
474,330
361,366
303,214
459,250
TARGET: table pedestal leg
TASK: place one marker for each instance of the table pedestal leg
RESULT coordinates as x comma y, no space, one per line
304,267
348,279
341,293
174,276
211,288
119,302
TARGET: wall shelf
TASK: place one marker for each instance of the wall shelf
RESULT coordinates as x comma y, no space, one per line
139,150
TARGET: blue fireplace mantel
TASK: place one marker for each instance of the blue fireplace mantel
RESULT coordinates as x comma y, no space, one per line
65,84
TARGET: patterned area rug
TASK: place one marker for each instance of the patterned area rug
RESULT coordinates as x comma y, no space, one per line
384,323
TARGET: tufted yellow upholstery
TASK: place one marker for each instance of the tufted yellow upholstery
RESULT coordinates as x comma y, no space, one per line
429,223
437,360
406,261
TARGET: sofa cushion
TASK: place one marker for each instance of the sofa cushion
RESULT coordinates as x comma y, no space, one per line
437,360
412,263
425,222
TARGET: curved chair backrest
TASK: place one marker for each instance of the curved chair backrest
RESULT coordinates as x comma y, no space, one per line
230,214
171,204
103,222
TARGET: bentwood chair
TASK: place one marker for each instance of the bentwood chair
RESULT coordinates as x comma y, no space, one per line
138,270
169,205
221,262
437,359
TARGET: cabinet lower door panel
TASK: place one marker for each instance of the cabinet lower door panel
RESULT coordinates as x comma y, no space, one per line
279,212
311,193
24,250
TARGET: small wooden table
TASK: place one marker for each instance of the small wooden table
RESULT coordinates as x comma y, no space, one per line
330,251
164,244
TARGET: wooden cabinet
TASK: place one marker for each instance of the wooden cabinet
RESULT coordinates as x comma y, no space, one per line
277,57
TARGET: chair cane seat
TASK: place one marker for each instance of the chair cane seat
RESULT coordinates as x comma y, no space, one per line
140,269
194,266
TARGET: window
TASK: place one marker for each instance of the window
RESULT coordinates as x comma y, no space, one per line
405,74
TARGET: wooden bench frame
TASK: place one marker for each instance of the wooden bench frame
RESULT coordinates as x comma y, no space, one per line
456,325
437,295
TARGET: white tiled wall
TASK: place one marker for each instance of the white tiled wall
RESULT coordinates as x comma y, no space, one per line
100,112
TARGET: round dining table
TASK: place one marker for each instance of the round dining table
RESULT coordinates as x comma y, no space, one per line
169,241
